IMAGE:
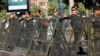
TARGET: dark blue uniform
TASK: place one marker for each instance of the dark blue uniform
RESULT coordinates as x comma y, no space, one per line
25,32
96,33
13,32
57,49
41,29
77,24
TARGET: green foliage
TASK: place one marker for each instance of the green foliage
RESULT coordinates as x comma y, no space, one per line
2,4
3,14
54,4
35,7
50,8
51,5
81,8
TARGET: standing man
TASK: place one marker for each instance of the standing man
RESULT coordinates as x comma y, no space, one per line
57,49
26,30
56,22
64,23
13,31
77,25
41,27
96,27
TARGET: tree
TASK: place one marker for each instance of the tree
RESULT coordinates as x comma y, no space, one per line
3,14
81,8
71,3
2,4
97,2
88,4
51,5
54,4
35,7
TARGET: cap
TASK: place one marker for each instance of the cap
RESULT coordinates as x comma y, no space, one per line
55,10
38,10
13,13
96,7
27,12
74,8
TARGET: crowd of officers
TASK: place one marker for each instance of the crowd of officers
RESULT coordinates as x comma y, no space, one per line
25,26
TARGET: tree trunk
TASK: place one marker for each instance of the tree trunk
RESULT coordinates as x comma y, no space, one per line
71,3
87,12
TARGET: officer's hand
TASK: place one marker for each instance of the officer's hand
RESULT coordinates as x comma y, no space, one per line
64,15
46,24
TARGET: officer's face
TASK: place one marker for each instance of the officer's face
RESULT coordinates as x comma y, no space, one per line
97,12
37,13
13,15
55,13
27,15
74,11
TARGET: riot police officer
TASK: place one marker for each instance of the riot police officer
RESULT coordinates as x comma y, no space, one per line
41,28
56,19
77,25
57,49
96,27
13,30
27,27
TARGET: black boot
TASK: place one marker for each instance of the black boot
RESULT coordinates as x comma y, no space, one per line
81,51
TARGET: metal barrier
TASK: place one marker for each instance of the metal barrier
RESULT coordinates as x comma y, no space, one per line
36,41
94,38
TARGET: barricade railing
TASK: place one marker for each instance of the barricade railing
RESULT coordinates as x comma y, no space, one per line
37,42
